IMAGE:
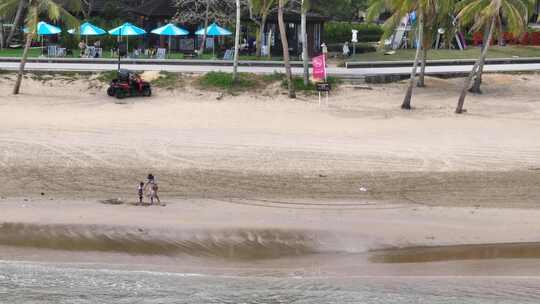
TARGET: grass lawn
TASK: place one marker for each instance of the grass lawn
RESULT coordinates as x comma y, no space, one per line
470,53
36,52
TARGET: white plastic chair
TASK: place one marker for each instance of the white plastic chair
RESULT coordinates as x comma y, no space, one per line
60,52
51,50
161,53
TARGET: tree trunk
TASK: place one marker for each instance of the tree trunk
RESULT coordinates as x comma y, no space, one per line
269,46
17,87
461,101
260,39
203,44
2,34
406,105
501,32
16,21
421,79
305,55
237,41
285,44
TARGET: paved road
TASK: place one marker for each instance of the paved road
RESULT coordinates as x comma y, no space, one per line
340,72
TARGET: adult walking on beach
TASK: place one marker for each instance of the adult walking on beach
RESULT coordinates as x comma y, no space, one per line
151,188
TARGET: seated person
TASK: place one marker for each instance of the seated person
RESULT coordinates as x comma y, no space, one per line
82,47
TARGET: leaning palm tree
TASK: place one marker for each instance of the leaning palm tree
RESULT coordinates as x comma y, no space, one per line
53,10
285,44
237,41
481,13
440,17
425,12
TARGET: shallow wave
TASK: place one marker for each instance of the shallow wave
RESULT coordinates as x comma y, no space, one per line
229,244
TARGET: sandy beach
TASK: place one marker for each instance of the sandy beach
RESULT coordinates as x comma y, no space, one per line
357,175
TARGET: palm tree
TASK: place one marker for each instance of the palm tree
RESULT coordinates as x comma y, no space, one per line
406,105
305,55
285,44
482,13
440,16
426,14
261,8
478,76
237,41
53,10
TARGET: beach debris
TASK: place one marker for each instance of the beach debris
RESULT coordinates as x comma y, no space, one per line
42,193
322,175
113,201
220,96
363,189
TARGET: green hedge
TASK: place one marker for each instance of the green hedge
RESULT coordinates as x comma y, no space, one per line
339,32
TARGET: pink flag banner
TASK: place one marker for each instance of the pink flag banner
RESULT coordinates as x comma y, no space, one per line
319,68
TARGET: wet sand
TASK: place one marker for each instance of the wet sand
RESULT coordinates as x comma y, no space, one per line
356,176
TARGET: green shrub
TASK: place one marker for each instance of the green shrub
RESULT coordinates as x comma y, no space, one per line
167,80
224,81
276,76
107,76
339,32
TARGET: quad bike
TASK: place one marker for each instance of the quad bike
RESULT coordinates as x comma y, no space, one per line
128,84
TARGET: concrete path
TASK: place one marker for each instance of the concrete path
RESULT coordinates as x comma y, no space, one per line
338,72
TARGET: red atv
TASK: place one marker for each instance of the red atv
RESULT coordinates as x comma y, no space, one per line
128,84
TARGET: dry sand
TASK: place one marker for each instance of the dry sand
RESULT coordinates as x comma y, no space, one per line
360,167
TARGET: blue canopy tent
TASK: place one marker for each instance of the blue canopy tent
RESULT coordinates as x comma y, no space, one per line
44,29
213,31
127,29
170,30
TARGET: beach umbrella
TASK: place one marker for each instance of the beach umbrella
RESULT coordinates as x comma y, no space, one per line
213,30
170,30
44,29
127,29
88,29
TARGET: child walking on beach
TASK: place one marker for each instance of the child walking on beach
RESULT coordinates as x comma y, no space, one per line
141,192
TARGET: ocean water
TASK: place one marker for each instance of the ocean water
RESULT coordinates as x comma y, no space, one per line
24,282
